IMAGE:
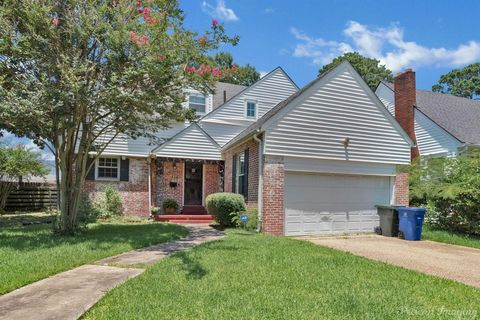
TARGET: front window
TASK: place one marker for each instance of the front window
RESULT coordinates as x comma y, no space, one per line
108,168
197,102
251,109
241,174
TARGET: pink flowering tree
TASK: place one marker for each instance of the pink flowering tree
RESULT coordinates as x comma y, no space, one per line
76,74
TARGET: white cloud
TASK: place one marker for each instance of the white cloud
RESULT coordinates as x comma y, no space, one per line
220,11
263,73
386,44
268,10
320,50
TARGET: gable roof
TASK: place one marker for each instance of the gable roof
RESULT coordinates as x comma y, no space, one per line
230,90
279,107
458,116
246,89
192,142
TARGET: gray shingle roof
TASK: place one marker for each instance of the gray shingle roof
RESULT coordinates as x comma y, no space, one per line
459,116
230,89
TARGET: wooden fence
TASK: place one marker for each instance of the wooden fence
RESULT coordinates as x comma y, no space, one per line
32,196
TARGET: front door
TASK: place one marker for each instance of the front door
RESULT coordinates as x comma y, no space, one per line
193,183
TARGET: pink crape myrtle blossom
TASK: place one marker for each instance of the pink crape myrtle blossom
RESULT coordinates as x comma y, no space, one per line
214,22
216,72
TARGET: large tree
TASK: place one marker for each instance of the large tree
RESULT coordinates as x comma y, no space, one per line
74,74
463,82
233,73
369,68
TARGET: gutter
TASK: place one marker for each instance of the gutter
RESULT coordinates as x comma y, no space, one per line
260,180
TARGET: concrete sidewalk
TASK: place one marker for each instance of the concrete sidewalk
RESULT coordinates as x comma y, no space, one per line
69,294
439,259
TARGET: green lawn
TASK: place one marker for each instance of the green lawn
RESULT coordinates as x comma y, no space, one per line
450,237
250,276
30,253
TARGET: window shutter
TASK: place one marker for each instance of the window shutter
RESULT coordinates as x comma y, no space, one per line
124,169
90,174
234,172
245,176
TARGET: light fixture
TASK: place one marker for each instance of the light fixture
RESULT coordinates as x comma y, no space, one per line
346,142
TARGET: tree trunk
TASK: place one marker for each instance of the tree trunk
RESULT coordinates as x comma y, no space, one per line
72,167
6,187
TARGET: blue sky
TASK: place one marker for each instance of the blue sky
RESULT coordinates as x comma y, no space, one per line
432,37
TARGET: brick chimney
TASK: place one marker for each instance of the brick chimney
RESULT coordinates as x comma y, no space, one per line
405,100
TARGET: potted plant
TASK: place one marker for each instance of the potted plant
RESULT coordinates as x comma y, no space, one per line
154,211
170,206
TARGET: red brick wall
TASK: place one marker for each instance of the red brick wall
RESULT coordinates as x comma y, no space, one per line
273,195
401,189
170,173
134,192
405,100
252,146
211,176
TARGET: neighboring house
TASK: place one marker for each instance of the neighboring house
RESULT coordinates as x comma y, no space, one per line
315,160
444,125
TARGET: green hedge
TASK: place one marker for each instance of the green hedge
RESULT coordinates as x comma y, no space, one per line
222,205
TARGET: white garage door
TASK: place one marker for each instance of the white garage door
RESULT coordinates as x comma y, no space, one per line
321,203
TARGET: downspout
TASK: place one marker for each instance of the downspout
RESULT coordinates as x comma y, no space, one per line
260,180
149,162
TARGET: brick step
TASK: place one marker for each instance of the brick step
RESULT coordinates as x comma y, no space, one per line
190,221
191,210
184,217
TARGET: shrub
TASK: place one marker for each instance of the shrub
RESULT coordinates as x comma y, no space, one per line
113,201
170,204
222,205
450,190
106,205
252,222
154,211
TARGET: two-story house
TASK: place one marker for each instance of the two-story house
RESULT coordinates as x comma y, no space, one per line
312,161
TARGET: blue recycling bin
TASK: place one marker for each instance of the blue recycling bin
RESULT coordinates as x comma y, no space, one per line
411,222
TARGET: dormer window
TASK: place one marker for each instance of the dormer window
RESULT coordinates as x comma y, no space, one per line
197,102
251,109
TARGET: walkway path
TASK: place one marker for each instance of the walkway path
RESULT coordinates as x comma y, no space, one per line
439,259
69,294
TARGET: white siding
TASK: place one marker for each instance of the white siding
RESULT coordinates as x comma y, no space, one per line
228,120
222,124
338,166
268,92
191,143
338,106
208,100
222,133
432,139
386,95
123,145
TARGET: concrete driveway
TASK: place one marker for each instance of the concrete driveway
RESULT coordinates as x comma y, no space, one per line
443,260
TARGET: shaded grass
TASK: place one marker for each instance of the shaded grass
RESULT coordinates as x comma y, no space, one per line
20,218
450,237
31,253
251,276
